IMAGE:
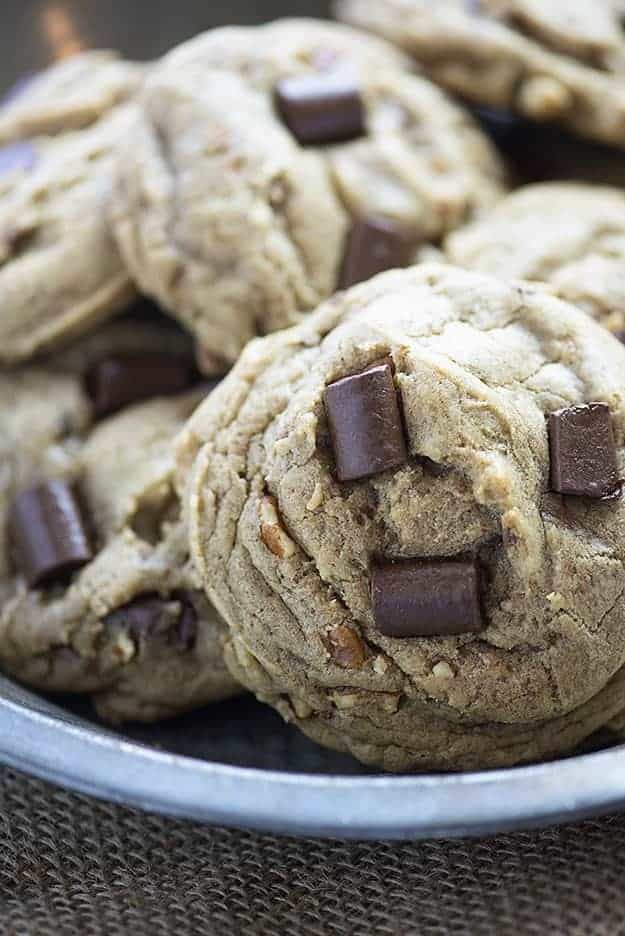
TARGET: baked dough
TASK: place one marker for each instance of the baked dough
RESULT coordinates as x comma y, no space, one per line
560,61
132,626
236,227
60,270
70,95
286,550
569,235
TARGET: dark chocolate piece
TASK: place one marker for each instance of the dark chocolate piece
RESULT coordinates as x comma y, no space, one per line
373,246
150,615
140,618
116,382
186,629
365,423
48,533
323,107
15,156
583,453
426,598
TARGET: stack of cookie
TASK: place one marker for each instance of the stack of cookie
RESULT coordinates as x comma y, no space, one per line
398,518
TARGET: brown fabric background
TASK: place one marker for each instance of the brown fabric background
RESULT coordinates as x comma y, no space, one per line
72,866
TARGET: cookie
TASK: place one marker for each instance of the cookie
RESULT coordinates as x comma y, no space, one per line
69,95
560,62
60,270
570,235
420,488
48,410
98,593
273,165
58,400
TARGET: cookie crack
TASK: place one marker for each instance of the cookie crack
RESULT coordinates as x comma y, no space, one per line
280,211
166,155
609,610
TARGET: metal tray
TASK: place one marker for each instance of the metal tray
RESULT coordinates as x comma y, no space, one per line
237,763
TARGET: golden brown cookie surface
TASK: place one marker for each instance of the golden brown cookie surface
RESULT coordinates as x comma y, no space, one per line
560,61
439,605
273,165
97,590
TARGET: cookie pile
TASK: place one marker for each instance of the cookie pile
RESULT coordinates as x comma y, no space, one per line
305,393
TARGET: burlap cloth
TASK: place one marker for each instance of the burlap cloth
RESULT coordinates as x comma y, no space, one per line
73,866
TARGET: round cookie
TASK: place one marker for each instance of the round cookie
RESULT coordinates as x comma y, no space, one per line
69,95
561,61
60,269
570,235
125,620
61,398
272,165
382,512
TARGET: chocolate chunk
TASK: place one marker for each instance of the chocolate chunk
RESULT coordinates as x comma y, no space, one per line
115,382
16,156
365,423
48,533
426,598
583,453
186,629
373,246
141,618
150,615
322,107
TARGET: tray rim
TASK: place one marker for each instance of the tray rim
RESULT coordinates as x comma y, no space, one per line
72,753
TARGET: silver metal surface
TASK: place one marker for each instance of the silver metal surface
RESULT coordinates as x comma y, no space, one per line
238,763
52,744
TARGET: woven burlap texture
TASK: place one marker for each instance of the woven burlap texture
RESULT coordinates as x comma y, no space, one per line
72,866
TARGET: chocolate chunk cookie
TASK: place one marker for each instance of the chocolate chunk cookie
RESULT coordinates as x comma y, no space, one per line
561,61
69,95
409,510
273,165
97,591
60,269
569,235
